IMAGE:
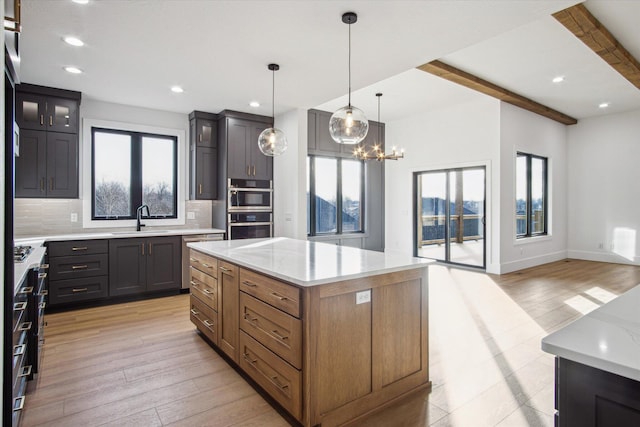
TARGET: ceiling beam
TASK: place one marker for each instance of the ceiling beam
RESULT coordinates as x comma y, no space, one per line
463,78
591,32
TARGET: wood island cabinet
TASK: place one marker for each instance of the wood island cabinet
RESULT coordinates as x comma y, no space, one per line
139,265
326,353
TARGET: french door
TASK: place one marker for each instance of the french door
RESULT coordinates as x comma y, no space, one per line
450,215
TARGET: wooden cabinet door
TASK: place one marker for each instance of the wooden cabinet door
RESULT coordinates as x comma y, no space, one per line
206,133
127,266
261,165
228,286
163,263
62,165
206,173
238,132
62,115
30,111
31,165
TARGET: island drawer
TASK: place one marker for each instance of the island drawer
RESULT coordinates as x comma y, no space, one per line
205,319
276,330
74,290
69,267
204,263
204,287
273,292
277,377
78,247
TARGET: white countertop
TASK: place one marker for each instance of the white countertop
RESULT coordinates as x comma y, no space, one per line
307,263
147,232
22,268
607,338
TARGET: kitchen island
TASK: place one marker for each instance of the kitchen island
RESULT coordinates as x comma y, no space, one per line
330,333
598,365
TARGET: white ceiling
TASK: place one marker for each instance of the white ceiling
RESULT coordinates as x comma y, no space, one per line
219,50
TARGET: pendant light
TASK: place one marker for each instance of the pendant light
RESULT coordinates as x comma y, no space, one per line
348,125
376,152
272,141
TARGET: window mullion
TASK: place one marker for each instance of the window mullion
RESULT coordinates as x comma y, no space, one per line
339,197
312,195
136,173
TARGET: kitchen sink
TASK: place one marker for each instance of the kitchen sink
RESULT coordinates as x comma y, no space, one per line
140,232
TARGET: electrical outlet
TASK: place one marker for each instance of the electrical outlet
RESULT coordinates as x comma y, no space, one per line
362,297
191,215
74,217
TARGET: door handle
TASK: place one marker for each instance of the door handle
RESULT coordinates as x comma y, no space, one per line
41,119
254,170
50,120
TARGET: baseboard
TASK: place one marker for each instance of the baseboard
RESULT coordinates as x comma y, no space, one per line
601,257
509,267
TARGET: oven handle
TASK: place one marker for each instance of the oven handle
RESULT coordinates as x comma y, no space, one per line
244,224
256,190
233,209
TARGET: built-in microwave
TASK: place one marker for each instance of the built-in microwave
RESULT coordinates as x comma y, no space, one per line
249,225
250,195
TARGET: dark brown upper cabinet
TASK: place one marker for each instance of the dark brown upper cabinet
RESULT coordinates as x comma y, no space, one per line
47,166
203,156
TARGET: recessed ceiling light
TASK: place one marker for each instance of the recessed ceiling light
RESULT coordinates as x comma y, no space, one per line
177,89
603,105
73,41
81,1
254,104
73,70
558,79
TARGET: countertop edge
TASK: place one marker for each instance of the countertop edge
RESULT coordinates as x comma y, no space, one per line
117,235
22,268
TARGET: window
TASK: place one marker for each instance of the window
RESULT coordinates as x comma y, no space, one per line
531,195
335,195
130,169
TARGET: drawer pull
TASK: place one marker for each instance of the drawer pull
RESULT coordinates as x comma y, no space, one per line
42,305
25,326
44,293
248,359
26,290
226,270
79,248
207,291
18,404
195,312
193,283
248,317
194,260
280,337
207,323
248,283
42,275
75,290
44,266
205,265
19,349
79,267
278,383
280,297
19,306
26,371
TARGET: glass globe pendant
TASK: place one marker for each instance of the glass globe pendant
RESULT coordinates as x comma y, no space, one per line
272,141
348,125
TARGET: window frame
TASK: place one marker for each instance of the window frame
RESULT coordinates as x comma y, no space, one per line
136,179
311,214
85,167
545,187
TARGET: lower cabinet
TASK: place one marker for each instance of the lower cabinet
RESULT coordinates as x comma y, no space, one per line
327,353
140,265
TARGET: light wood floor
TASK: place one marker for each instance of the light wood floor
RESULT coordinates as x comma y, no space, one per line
142,363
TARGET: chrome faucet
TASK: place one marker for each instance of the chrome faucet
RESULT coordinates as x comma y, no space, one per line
139,216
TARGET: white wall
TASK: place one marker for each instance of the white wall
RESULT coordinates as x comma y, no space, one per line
459,136
290,177
527,132
604,203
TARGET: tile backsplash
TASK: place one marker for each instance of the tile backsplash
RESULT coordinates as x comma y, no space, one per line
46,217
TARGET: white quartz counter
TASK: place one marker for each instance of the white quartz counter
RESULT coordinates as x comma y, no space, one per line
22,268
607,338
307,263
147,232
